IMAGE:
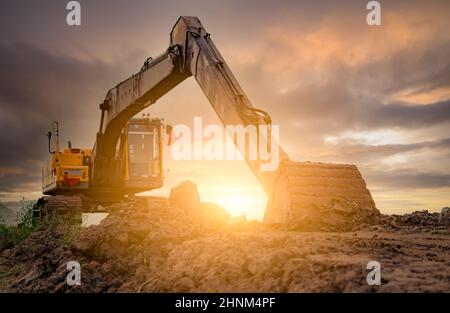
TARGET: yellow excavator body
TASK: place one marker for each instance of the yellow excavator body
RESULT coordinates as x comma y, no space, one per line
138,162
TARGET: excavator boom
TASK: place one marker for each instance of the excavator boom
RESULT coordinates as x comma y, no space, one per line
305,195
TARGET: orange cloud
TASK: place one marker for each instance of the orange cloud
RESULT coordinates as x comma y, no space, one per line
343,38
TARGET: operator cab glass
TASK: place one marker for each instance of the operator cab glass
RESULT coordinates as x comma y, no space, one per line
143,150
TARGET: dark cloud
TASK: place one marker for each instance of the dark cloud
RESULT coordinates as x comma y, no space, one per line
25,182
37,87
408,179
363,153
413,117
358,97
335,94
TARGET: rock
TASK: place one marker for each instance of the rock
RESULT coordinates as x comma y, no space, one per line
338,214
185,196
107,267
30,276
185,284
444,217
60,287
122,237
417,218
82,246
7,253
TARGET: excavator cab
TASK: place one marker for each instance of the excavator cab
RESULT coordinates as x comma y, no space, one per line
141,148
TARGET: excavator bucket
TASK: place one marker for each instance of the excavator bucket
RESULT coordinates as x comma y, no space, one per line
320,196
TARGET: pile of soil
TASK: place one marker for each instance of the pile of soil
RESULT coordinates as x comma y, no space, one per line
417,219
168,245
338,214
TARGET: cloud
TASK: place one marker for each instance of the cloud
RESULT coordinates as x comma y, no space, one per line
408,179
411,116
343,75
356,152
37,87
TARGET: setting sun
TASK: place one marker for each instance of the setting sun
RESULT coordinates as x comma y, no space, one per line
238,201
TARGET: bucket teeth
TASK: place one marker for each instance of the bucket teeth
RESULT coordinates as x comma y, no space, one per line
320,196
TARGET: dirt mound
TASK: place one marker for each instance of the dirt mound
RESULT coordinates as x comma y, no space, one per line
340,214
417,219
185,196
151,245
135,235
38,263
444,217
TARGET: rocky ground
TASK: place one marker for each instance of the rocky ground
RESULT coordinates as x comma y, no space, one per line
153,245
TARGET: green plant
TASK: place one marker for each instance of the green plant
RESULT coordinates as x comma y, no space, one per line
27,221
69,223
12,235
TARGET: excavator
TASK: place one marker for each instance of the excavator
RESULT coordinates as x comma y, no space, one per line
127,157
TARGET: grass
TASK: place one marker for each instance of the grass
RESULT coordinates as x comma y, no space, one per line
10,236
71,223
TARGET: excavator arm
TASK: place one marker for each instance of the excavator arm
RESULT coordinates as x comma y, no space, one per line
296,191
191,53
156,77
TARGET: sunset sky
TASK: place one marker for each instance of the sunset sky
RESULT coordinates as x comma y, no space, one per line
341,91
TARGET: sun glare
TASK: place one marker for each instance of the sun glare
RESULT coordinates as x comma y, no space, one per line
250,206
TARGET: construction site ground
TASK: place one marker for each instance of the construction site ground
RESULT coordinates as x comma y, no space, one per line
151,245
